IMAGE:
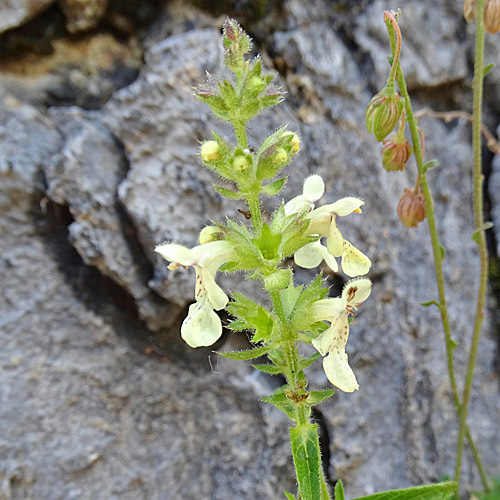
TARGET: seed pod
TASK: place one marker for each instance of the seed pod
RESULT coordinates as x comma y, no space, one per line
382,113
411,208
395,153
492,16
470,10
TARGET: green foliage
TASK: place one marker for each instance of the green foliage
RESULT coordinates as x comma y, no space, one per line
307,458
251,316
493,494
339,490
440,491
255,353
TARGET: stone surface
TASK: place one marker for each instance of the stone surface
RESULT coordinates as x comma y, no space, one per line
83,15
93,405
17,12
85,176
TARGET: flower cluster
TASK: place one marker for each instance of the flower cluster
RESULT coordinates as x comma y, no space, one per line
331,343
323,223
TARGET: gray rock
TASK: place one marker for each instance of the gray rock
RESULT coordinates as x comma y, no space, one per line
17,12
494,192
425,27
85,177
84,415
83,15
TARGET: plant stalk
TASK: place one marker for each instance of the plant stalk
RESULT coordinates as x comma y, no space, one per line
436,249
480,236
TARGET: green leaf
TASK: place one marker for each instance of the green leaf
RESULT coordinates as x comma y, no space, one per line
268,243
453,344
289,496
312,293
227,193
257,352
289,298
339,490
269,369
316,397
307,459
442,251
250,316
305,362
430,303
430,165
488,68
484,227
281,402
275,187
440,491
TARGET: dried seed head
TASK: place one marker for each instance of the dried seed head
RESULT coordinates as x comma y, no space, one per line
470,10
411,208
382,113
395,153
492,16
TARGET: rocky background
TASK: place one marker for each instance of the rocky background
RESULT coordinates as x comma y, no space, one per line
99,131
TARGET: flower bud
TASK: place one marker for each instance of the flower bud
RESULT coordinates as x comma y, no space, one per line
208,234
492,16
470,10
240,163
294,143
411,208
210,151
395,153
280,156
383,112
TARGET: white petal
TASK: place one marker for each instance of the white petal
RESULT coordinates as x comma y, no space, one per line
345,206
202,327
338,371
335,240
297,205
326,309
215,294
357,291
309,256
314,187
329,259
176,253
213,254
319,222
354,262
335,337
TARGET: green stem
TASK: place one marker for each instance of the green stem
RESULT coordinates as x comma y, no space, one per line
255,213
436,250
477,177
241,134
389,18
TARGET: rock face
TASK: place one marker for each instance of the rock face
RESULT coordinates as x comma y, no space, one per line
17,12
96,405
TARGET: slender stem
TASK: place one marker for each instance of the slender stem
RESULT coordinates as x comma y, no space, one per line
480,238
255,213
436,250
241,134
389,18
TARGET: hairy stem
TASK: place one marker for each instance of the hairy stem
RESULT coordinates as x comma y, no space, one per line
436,249
480,237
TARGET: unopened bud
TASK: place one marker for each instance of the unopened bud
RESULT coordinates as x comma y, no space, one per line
492,16
411,208
240,163
383,112
280,156
395,153
210,151
294,143
470,10
208,234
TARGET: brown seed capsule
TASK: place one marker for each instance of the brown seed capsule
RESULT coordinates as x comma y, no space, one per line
395,153
411,208
470,10
492,16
